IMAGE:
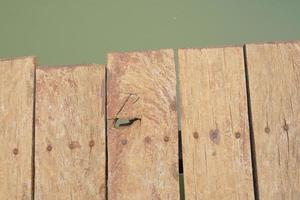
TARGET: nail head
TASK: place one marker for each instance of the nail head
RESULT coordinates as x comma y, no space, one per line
92,143
196,135
15,151
124,142
166,139
267,130
49,148
237,135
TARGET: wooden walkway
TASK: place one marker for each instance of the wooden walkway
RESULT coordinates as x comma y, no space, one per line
111,132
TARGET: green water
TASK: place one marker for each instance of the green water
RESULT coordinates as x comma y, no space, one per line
83,31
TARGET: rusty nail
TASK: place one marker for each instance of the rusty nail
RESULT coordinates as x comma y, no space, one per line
166,139
15,151
196,135
237,135
49,148
124,141
267,130
92,143
71,145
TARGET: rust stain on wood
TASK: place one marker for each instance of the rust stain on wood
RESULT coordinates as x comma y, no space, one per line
214,136
143,150
70,122
214,107
142,85
274,74
16,132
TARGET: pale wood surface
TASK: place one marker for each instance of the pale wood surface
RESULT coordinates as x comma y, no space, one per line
70,133
16,127
142,157
215,127
274,74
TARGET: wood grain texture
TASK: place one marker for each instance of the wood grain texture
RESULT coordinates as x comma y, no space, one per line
142,157
274,74
16,127
215,130
70,133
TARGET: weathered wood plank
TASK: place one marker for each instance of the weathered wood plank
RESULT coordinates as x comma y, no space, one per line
16,127
142,157
274,74
70,133
215,128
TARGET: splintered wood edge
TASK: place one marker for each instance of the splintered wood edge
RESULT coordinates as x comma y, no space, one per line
211,47
32,64
272,42
140,52
18,58
45,68
90,69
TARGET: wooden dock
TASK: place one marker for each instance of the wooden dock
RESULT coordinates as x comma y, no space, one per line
228,118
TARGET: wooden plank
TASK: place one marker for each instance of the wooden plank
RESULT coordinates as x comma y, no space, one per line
143,156
274,74
70,133
215,130
16,127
